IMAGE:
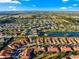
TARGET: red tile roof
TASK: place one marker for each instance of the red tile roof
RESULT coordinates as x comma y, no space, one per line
37,49
52,49
76,48
64,48
4,54
74,56
25,54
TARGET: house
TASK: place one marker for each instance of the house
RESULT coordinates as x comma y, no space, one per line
25,54
53,39
62,40
74,56
39,40
75,48
39,49
12,45
47,40
77,40
65,48
4,54
52,49
69,40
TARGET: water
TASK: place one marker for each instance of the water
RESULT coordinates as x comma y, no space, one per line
7,21
61,34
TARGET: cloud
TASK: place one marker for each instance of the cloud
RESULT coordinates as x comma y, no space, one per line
65,0
13,9
10,1
63,8
75,5
10,6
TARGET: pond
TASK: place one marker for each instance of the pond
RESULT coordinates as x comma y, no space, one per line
7,21
60,34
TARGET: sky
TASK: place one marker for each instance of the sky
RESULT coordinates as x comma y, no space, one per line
52,5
